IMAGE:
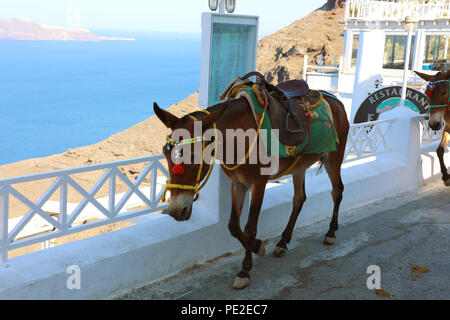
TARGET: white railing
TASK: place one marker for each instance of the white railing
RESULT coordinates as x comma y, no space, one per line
371,10
115,209
364,140
368,139
336,68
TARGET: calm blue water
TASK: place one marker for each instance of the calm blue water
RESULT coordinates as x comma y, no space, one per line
60,95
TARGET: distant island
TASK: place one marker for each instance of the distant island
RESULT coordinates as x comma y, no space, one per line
24,29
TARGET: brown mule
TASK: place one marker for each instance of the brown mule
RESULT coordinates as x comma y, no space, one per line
236,114
439,101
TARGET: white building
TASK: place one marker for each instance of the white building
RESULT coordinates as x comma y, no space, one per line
375,43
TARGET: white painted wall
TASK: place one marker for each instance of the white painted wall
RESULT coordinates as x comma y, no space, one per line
369,65
159,247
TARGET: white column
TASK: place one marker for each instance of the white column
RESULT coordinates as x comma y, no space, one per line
446,47
348,45
419,44
305,66
369,65
406,68
215,197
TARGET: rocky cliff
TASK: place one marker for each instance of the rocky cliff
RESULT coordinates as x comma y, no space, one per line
281,55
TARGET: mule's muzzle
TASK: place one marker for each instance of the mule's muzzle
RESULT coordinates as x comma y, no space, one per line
181,215
435,125
180,206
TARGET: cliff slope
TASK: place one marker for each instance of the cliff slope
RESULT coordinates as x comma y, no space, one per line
281,55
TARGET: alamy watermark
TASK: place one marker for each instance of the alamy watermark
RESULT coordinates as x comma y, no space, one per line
239,142
74,280
374,280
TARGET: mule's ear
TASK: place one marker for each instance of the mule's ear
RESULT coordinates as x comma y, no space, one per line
166,117
208,121
424,76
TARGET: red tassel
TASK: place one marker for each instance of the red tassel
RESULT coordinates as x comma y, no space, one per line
178,168
428,93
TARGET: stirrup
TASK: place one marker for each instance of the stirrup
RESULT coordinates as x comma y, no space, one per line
297,120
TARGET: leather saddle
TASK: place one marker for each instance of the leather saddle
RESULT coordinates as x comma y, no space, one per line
287,103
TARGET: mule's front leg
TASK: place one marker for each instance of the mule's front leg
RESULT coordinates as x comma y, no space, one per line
251,244
440,154
238,193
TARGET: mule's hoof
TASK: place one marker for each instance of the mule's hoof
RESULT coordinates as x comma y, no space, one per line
279,252
447,182
240,283
328,241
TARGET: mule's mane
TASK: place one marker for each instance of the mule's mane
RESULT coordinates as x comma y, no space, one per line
200,115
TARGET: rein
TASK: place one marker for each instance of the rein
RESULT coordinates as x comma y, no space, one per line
431,85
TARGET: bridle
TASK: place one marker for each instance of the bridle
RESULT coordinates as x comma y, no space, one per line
428,91
178,169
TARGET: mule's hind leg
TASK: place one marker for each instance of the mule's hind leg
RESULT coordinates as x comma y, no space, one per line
333,167
299,199
440,153
250,241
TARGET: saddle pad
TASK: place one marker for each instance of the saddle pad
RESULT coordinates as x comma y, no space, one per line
321,137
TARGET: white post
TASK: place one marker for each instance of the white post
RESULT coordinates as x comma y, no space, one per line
446,47
406,67
405,141
63,203
4,208
215,197
305,66
419,45
348,45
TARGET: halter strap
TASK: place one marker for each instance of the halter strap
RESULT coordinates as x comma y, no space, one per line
195,187
447,106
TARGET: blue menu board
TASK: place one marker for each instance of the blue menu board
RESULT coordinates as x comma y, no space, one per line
231,42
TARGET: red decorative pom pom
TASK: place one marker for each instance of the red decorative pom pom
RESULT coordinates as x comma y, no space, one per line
428,93
178,168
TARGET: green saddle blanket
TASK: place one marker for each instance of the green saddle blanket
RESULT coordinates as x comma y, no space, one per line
321,135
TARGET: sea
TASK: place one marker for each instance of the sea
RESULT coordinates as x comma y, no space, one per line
58,95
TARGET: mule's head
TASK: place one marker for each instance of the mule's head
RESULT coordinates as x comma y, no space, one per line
437,92
183,152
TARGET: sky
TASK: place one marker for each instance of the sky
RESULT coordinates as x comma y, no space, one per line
151,15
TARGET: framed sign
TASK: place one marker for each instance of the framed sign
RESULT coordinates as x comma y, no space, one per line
388,98
229,44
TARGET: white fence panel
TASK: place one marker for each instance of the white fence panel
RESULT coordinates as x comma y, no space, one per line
109,211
